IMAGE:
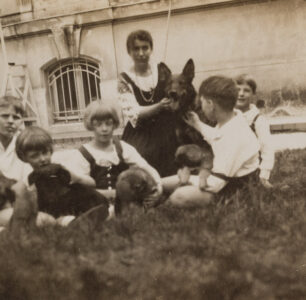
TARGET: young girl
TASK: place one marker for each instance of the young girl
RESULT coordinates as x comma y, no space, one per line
105,157
59,192
246,92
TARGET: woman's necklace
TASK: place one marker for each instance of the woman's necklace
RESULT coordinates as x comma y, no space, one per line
150,99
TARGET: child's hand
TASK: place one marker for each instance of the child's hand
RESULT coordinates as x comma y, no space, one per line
192,119
266,183
183,175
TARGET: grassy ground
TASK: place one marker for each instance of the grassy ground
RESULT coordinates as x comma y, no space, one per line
253,248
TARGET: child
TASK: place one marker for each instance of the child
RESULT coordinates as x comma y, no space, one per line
246,92
59,192
11,119
234,146
12,168
105,157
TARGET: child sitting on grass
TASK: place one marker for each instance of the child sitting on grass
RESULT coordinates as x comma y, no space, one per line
12,168
59,192
246,92
105,157
235,147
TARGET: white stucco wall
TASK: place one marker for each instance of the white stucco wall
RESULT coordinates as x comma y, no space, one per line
265,39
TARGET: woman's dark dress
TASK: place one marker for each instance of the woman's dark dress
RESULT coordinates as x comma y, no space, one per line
154,137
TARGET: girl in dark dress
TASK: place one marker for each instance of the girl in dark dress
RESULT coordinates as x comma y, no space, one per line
147,113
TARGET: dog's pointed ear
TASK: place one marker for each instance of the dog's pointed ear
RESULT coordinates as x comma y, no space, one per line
163,71
188,70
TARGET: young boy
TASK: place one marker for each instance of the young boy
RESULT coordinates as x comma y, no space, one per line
12,168
246,92
59,192
11,119
235,146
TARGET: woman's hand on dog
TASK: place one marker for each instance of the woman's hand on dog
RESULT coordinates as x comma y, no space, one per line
165,104
193,120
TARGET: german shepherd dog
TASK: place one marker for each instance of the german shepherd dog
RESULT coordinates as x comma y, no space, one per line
179,88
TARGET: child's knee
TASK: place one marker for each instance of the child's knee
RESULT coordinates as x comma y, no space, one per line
44,219
5,216
191,196
179,197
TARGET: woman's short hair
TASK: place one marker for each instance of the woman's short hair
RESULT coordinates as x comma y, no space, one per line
141,35
220,89
11,101
33,138
247,79
98,110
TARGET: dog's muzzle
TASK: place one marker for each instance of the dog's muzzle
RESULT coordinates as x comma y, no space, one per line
173,95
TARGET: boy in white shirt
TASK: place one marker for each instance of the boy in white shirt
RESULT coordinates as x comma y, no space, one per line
235,147
11,119
258,123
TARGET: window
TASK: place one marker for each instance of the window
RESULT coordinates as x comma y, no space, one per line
73,84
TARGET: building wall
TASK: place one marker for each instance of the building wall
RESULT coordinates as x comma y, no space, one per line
263,38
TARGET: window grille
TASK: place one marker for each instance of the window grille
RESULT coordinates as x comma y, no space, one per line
73,84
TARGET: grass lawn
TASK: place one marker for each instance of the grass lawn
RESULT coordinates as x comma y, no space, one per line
254,248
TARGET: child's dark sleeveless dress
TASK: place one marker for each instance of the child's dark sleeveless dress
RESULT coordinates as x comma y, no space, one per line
105,177
154,137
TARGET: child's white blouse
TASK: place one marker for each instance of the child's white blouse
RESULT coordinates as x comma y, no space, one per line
129,105
235,149
262,130
11,166
81,166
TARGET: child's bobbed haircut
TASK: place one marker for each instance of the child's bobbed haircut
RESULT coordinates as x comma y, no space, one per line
98,110
221,90
11,101
247,79
33,138
141,35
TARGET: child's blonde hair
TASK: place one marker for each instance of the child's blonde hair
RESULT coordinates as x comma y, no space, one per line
33,138
98,110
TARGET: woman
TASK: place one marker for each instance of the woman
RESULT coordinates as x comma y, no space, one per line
147,113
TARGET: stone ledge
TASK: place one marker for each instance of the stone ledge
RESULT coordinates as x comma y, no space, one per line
110,14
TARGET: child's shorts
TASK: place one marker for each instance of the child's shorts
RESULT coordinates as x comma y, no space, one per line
234,184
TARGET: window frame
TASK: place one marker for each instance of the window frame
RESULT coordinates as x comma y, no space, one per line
85,75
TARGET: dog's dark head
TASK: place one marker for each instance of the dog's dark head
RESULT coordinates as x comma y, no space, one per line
178,87
6,194
132,186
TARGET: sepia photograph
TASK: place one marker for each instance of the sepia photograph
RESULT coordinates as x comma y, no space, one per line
153,150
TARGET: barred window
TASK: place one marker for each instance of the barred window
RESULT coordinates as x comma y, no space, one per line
73,84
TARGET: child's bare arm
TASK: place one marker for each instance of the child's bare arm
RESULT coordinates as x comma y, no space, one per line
82,179
193,120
